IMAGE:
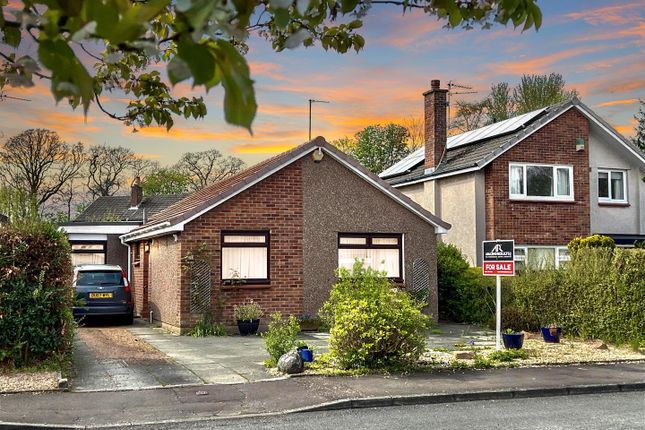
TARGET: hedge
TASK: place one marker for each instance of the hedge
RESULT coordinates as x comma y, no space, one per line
36,294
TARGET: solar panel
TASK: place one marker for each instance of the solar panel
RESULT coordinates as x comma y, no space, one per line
492,130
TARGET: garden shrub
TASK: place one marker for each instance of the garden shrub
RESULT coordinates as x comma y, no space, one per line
36,294
599,294
594,241
373,323
465,294
208,326
281,337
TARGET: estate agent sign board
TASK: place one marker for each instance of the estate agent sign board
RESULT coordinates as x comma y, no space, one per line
498,260
499,257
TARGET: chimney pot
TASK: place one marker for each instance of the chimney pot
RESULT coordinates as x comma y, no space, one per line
435,84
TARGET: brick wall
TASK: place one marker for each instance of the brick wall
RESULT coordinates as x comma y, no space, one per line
139,281
164,280
274,204
542,223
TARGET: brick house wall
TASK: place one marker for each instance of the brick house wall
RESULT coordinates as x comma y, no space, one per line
538,222
139,281
164,279
274,204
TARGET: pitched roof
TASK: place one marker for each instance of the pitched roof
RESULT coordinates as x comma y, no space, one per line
174,217
488,144
117,209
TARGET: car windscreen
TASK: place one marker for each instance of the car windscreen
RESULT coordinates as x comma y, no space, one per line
100,277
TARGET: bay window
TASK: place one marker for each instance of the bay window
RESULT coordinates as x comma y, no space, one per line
540,182
379,251
245,257
612,186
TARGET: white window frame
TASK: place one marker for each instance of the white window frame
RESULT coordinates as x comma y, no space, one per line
610,199
226,278
369,239
555,197
523,258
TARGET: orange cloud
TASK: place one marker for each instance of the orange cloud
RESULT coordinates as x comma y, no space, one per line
617,102
270,70
188,134
262,148
637,30
616,14
543,63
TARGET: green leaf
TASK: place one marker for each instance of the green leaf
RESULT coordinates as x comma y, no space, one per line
200,61
12,36
348,5
239,98
178,70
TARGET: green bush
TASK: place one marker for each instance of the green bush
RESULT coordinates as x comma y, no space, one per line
594,241
452,271
373,323
207,326
508,355
599,294
281,337
36,294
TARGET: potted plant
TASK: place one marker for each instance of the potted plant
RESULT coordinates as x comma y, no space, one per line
306,354
248,317
551,334
513,339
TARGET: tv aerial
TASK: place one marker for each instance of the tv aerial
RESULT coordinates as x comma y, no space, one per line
5,96
452,85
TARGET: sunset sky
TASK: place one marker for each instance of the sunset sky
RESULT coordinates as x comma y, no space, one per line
598,46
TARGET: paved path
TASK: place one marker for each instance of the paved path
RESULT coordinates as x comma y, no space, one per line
219,360
104,363
221,400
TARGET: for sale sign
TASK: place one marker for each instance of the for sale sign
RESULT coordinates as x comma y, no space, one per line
499,257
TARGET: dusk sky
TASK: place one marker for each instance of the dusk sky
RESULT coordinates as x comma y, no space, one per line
598,46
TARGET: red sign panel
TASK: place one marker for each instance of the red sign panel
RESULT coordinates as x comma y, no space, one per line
499,268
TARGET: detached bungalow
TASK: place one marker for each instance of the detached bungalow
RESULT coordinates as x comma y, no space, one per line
276,233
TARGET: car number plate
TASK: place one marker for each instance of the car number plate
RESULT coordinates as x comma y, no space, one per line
100,295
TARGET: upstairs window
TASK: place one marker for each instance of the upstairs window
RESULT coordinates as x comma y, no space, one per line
612,186
540,182
379,251
245,257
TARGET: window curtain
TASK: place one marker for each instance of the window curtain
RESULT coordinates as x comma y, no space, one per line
617,186
564,187
517,179
379,259
247,263
79,258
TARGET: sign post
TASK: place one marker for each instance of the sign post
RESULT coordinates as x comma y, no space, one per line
499,260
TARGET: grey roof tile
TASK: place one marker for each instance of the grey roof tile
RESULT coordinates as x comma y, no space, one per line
117,208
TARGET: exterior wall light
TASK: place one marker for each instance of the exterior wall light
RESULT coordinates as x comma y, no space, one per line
146,247
580,144
317,155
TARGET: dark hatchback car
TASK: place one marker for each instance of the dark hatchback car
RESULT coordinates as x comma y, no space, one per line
102,290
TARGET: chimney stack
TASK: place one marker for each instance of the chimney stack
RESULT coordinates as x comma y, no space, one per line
436,129
136,193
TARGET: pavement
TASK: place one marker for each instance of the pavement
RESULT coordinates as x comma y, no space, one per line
103,362
298,394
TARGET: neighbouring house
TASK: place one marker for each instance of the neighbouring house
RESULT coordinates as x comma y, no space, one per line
94,234
541,178
276,233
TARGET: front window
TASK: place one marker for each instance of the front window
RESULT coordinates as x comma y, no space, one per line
612,186
88,253
245,256
540,257
379,251
540,182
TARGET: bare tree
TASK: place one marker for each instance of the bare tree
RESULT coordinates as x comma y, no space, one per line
470,116
416,131
107,169
39,163
207,167
143,167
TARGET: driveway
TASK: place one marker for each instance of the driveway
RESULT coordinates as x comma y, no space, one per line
112,358
144,356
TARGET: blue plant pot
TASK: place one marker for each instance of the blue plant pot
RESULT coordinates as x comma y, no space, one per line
306,354
513,340
549,337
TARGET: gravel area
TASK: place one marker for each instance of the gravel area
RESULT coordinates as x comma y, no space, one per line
568,351
117,343
16,382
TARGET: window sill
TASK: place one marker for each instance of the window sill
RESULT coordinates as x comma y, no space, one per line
246,287
615,204
538,200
